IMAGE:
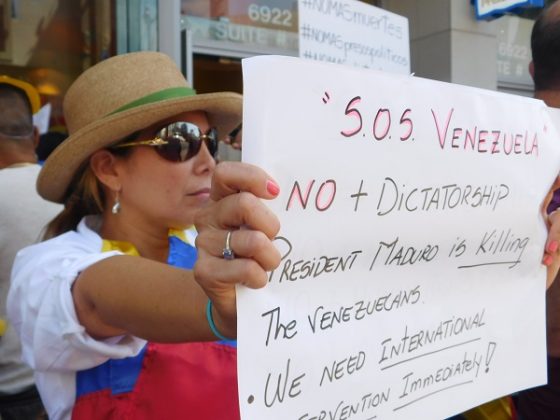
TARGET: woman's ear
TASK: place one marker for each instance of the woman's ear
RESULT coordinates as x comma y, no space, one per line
104,165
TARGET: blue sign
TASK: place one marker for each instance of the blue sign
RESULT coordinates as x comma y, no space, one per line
492,9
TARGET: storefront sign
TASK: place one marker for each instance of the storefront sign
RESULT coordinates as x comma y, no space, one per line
411,283
353,33
272,14
245,36
486,9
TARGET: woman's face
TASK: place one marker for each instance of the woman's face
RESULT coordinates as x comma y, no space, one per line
160,192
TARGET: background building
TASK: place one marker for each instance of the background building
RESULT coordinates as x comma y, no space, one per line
50,42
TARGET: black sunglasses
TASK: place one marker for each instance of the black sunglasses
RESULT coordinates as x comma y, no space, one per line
179,141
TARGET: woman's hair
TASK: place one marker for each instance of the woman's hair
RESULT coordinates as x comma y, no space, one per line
86,198
545,47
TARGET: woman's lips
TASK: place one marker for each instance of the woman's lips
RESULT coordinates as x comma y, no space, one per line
203,192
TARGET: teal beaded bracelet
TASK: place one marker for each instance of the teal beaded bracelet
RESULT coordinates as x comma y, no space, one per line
211,322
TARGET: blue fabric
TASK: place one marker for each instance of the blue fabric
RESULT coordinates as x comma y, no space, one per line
181,254
118,375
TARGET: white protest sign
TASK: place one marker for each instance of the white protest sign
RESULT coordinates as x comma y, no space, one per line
353,33
411,283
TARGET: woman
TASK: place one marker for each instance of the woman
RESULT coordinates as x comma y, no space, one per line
94,303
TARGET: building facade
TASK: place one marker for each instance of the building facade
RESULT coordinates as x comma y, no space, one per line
50,42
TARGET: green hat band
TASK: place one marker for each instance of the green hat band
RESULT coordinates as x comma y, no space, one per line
171,93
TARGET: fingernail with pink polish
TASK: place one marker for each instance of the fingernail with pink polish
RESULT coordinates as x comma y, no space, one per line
272,187
547,260
553,246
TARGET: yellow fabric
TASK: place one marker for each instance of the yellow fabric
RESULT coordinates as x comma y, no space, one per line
124,247
499,409
3,326
129,249
180,234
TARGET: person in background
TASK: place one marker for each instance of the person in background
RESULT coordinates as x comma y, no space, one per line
120,315
234,139
23,215
543,403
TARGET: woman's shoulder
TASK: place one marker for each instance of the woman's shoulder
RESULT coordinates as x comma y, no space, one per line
80,240
79,244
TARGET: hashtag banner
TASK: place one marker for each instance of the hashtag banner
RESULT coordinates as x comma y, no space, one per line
353,33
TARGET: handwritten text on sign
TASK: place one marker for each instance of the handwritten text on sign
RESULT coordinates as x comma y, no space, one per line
411,240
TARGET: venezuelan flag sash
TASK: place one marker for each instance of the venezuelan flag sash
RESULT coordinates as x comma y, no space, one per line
164,381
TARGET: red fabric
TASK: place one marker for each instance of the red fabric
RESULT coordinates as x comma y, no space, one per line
177,381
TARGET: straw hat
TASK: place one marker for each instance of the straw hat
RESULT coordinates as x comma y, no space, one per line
30,91
118,97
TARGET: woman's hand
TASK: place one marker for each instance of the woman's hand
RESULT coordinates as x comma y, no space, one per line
235,206
551,256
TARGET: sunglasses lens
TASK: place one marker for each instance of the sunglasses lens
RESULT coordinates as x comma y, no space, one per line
193,136
175,150
184,141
